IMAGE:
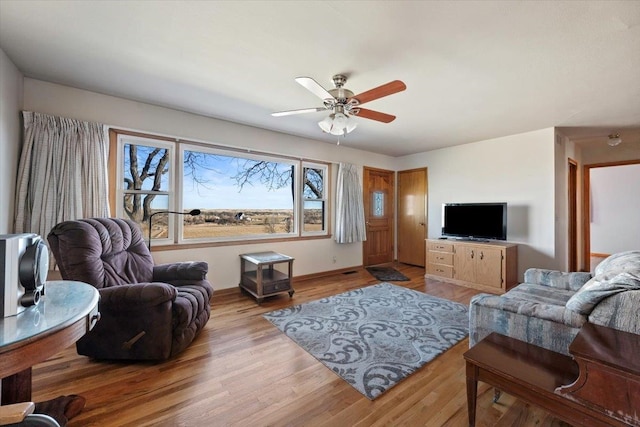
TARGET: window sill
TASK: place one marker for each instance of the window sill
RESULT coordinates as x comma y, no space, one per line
180,246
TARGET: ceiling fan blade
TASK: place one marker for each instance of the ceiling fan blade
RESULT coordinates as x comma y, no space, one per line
380,91
373,115
302,111
314,87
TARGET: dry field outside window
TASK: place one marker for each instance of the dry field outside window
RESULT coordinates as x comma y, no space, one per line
212,223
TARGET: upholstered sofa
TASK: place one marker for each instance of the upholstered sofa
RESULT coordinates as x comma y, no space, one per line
149,312
550,307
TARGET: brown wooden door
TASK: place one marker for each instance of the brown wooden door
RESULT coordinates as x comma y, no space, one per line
379,216
412,216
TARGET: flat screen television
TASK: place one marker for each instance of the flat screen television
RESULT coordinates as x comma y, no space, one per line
475,221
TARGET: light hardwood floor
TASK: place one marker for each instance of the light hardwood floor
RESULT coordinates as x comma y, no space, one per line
242,371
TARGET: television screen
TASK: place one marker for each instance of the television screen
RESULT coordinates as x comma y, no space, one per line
475,220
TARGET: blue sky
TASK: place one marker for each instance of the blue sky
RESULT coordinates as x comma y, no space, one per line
221,191
217,188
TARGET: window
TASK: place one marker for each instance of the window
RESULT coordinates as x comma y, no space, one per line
146,185
240,196
314,200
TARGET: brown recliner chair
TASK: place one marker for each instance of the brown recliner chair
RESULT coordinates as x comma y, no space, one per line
149,312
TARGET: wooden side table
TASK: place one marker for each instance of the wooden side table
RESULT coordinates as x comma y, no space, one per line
609,380
601,389
262,282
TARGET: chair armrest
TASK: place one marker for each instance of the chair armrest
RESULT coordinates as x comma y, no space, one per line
15,413
136,296
190,270
556,279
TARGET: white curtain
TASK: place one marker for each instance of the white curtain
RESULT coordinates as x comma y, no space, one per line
350,226
62,173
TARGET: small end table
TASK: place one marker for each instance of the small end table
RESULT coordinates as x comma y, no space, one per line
262,282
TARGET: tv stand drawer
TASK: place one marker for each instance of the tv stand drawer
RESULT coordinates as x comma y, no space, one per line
440,258
441,247
440,270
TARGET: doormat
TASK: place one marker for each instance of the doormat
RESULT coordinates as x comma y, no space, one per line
387,274
374,337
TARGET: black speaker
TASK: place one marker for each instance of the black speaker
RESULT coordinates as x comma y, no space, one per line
24,264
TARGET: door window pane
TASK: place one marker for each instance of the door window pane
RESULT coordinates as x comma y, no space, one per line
378,203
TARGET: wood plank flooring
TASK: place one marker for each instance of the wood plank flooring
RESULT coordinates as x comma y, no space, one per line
242,371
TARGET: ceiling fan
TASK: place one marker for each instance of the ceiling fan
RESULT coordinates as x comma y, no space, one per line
343,103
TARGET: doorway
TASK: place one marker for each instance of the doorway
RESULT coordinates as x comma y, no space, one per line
379,216
623,210
412,216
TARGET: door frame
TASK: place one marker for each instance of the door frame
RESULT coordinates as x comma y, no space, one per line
573,214
586,202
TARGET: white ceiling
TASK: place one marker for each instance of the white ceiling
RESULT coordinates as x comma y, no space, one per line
473,70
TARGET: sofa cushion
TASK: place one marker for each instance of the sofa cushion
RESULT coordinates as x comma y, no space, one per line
537,301
556,279
602,286
622,261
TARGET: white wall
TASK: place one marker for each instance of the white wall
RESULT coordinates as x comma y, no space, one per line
615,208
517,169
11,94
312,256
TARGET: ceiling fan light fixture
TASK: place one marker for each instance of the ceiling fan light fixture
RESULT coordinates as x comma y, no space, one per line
326,124
341,102
337,124
340,121
614,139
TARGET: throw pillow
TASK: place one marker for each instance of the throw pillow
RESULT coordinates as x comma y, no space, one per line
603,286
622,261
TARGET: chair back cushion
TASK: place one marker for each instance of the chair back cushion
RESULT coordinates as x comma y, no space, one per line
103,252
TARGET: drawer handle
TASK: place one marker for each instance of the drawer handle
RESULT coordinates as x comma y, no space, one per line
439,270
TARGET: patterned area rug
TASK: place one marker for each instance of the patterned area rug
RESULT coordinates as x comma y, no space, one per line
376,336
387,274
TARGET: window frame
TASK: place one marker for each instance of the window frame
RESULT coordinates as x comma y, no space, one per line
122,140
176,184
306,164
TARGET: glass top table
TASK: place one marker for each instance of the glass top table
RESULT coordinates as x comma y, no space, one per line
66,312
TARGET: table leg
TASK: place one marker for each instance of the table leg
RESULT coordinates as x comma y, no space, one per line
17,388
472,392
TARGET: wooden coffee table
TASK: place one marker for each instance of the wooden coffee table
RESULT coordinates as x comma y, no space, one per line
553,381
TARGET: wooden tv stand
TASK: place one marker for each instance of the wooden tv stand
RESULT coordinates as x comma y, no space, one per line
601,387
487,266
